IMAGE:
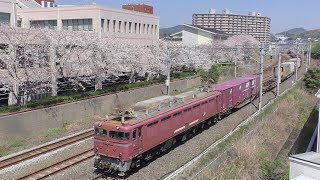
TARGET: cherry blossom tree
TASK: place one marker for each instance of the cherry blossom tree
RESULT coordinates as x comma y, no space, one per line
25,62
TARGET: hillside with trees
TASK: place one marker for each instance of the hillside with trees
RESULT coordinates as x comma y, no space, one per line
301,33
165,32
292,32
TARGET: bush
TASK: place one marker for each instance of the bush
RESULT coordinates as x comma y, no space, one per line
212,74
315,52
312,80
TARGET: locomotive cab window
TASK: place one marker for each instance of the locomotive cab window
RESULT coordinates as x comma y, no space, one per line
134,135
100,132
119,135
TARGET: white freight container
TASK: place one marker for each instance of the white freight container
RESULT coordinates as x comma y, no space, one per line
296,60
290,64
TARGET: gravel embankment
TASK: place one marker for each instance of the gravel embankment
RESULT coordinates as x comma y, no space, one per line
177,156
32,165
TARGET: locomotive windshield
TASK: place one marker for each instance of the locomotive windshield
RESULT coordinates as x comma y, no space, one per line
119,135
100,132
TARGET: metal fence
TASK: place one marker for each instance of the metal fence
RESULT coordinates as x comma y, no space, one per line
66,86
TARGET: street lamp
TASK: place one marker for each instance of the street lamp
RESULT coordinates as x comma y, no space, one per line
318,128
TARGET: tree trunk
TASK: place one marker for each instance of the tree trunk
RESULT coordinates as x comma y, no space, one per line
132,77
13,94
97,84
53,69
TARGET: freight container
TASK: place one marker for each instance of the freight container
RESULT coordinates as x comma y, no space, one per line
240,90
294,60
254,83
226,95
286,71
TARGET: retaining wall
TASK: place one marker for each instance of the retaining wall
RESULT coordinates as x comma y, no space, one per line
26,123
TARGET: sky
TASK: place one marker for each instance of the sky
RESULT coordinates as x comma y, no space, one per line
284,14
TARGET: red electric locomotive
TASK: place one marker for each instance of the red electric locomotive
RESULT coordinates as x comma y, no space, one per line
123,141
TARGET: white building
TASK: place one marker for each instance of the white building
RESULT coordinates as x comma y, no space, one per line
7,12
281,38
192,35
105,21
119,23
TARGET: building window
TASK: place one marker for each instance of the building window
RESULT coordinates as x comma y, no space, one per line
44,24
135,28
102,25
4,19
77,24
119,30
80,25
130,27
143,28
151,29
114,25
148,26
19,23
108,25
139,28
125,27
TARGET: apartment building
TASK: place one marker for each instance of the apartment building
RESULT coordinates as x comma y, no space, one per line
252,24
105,21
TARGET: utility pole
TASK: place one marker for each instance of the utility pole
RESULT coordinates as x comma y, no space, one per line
261,78
318,126
296,68
309,60
296,62
278,74
168,77
235,67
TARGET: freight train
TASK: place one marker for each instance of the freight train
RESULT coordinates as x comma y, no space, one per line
125,140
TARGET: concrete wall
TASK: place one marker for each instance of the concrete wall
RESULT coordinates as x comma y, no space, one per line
306,164
189,36
40,120
192,36
204,37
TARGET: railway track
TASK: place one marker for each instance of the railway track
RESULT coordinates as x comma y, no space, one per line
60,166
44,149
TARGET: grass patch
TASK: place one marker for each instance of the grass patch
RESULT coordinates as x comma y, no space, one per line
7,146
51,132
264,165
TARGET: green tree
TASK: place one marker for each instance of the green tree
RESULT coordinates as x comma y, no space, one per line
312,80
212,74
315,53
